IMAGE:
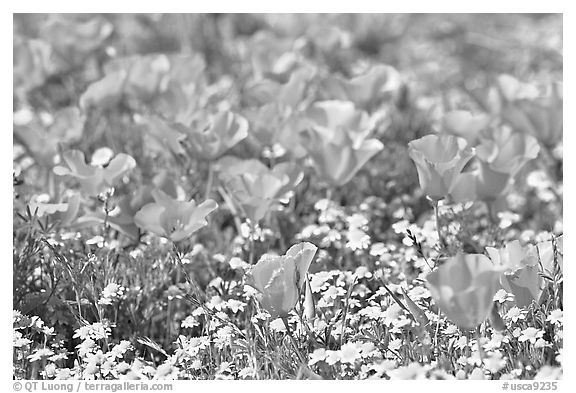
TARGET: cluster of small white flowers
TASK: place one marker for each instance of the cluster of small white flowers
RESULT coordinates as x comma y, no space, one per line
111,293
515,314
189,348
95,331
18,340
502,296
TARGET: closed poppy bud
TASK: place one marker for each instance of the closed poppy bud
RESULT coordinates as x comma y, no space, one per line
172,219
439,160
417,312
463,287
522,274
94,179
336,140
281,279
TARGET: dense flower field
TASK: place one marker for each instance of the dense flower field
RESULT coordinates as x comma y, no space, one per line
287,196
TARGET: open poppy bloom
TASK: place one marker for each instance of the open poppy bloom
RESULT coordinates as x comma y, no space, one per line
63,213
513,256
43,139
211,138
498,160
522,274
121,217
255,186
75,37
94,179
173,219
141,78
366,89
286,91
266,123
162,81
439,160
335,138
463,287
33,63
540,117
281,279
466,125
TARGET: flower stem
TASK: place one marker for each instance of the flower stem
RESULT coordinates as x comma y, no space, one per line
479,343
210,181
293,340
437,331
491,214
252,245
438,228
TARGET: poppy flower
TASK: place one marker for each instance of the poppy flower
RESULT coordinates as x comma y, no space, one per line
94,179
140,78
211,138
512,89
336,139
34,62
287,94
256,187
507,151
104,93
161,131
173,219
76,38
146,76
43,135
269,54
366,89
521,276
165,83
541,117
121,217
499,159
280,279
525,283
266,124
63,213
439,160
466,125
513,256
463,287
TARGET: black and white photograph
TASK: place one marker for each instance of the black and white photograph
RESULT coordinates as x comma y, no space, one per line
287,196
